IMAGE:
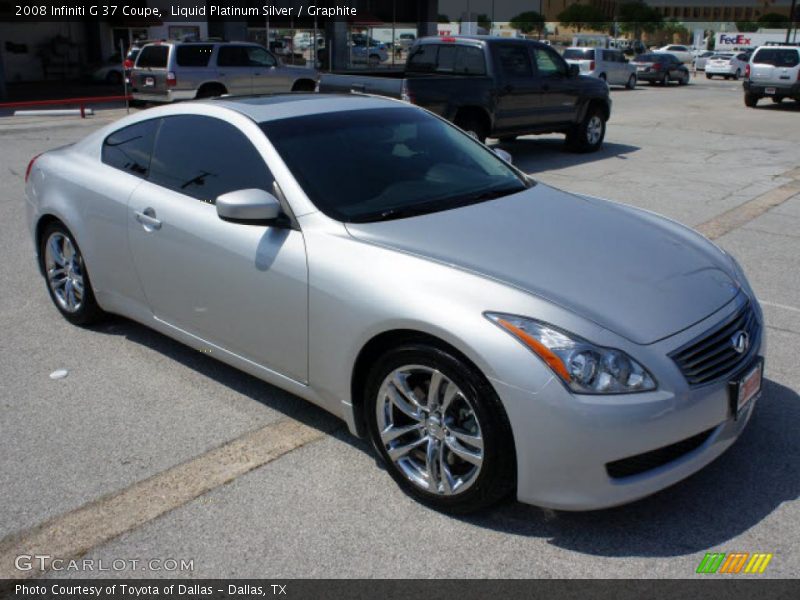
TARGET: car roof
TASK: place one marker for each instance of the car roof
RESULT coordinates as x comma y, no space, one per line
284,106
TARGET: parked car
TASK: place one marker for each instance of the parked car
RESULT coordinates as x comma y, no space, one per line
607,64
774,72
109,71
660,67
682,53
497,87
169,71
701,59
372,53
406,40
727,65
366,255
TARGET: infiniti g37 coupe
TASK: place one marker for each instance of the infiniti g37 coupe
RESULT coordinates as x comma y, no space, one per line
488,333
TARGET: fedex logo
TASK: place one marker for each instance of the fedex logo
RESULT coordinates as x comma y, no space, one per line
734,40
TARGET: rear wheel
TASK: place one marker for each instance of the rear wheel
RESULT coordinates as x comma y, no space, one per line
440,429
737,75
303,85
67,277
750,100
685,79
473,126
588,135
631,82
709,76
211,90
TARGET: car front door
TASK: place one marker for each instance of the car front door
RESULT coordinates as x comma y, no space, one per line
241,287
268,76
234,70
559,92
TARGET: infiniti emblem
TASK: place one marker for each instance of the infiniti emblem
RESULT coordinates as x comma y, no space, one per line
740,342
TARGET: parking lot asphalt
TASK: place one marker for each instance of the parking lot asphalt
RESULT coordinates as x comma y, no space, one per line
136,405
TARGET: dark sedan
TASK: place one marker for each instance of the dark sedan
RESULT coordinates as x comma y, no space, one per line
660,67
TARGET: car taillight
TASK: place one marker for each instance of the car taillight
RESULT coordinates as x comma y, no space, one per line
747,70
591,66
30,166
128,63
172,81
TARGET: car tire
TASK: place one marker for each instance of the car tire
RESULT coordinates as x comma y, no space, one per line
586,137
750,100
602,77
709,76
737,75
631,82
374,60
467,418
473,126
210,90
776,100
66,276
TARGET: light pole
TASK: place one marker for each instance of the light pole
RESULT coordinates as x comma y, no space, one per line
792,16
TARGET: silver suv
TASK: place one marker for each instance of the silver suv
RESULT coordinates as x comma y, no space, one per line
169,71
773,71
604,63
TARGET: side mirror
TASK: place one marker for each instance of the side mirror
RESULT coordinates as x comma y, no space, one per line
504,155
574,70
248,205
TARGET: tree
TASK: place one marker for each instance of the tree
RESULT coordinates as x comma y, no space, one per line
636,17
528,22
746,26
442,18
671,27
485,22
578,16
775,19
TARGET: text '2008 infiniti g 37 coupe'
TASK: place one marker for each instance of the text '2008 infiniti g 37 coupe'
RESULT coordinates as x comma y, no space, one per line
489,334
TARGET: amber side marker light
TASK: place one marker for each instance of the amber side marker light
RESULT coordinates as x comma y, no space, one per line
553,361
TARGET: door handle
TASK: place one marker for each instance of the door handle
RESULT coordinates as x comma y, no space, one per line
148,218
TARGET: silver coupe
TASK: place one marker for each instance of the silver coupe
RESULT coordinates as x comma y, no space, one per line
490,334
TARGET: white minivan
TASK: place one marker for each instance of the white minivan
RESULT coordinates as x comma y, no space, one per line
607,64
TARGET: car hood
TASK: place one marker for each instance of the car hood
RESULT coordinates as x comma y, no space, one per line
630,271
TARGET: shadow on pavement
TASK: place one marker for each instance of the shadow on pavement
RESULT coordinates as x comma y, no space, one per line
734,493
532,154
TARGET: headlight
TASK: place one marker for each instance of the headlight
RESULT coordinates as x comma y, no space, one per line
582,366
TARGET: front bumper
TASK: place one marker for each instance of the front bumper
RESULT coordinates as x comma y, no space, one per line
584,452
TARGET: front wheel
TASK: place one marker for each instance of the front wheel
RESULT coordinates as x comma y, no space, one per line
589,134
67,277
440,429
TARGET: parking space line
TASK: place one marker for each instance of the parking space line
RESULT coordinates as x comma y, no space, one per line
71,535
744,213
783,306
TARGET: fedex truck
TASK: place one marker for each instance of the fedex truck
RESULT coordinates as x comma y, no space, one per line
743,41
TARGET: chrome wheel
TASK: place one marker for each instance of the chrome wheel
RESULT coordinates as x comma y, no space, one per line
64,269
429,430
594,130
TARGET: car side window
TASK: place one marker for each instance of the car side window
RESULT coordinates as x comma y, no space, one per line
233,56
258,57
514,61
549,63
470,61
423,58
204,157
130,149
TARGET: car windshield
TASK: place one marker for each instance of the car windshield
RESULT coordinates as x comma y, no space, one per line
382,164
578,54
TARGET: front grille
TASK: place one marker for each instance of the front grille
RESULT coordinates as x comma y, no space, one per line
712,355
640,463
